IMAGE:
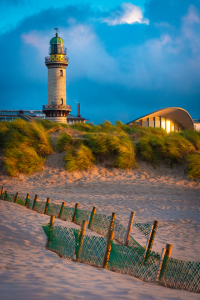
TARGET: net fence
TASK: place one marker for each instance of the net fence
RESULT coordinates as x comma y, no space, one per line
123,259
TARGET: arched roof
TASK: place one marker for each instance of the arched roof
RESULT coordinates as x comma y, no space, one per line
177,114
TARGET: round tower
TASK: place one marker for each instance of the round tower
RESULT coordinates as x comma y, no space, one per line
57,109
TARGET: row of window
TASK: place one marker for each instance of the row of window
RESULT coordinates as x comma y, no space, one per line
159,122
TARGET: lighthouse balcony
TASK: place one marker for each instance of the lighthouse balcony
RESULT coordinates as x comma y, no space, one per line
49,59
57,107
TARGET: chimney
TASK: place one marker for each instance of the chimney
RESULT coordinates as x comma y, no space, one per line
79,112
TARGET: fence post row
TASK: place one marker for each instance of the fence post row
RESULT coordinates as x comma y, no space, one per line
46,206
5,195
165,262
75,211
130,224
34,202
81,239
92,217
2,190
16,197
61,210
150,240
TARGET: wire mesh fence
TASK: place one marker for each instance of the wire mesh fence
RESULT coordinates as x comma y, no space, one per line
124,259
183,275
143,228
81,215
40,206
68,213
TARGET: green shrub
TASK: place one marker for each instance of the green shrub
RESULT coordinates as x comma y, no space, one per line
79,159
193,167
64,141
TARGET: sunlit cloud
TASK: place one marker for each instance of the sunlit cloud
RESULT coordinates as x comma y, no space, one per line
128,14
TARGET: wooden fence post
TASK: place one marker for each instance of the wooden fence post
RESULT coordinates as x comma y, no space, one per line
52,219
2,190
165,262
34,202
75,211
130,224
27,198
92,217
112,221
108,249
81,239
61,210
150,240
16,196
159,266
46,207
5,195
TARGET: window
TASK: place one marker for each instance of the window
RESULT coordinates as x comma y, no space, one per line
168,126
61,72
61,101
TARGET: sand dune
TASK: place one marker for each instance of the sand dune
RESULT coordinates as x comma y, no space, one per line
29,271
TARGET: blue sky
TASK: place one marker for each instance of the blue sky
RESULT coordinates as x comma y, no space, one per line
126,59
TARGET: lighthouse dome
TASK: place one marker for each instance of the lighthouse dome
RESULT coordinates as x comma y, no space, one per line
56,40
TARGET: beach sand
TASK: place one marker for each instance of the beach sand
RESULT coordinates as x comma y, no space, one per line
29,271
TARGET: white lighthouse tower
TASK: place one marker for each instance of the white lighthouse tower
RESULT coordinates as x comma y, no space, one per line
57,109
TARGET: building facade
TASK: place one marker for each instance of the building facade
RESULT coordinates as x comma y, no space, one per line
57,109
170,119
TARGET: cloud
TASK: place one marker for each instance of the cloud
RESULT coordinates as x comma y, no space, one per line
128,14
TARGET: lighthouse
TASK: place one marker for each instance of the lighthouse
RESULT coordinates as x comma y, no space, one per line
56,109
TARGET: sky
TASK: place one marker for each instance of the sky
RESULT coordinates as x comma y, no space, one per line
126,59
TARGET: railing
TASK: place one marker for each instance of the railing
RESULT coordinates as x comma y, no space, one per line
54,106
47,59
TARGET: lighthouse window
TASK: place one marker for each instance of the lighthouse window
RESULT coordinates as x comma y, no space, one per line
61,72
61,101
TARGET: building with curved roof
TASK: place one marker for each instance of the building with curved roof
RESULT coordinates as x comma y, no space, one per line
170,119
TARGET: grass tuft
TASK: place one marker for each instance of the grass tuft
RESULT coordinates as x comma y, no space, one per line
171,148
64,142
80,159
25,146
193,167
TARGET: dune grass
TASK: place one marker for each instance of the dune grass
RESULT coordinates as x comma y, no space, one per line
193,166
79,159
51,127
171,149
118,149
193,137
25,146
